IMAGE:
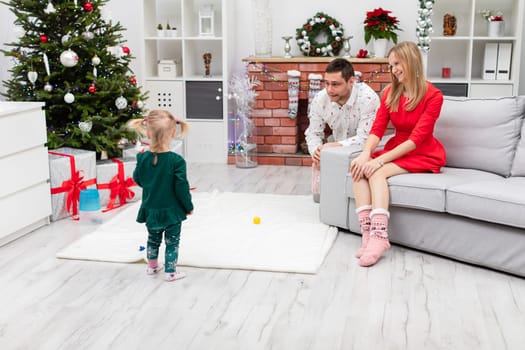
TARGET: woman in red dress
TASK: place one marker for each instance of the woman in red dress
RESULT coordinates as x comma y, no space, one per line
412,105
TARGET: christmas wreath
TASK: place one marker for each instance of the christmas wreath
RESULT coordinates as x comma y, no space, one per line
321,35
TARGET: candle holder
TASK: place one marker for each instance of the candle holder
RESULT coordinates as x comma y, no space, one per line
347,46
287,47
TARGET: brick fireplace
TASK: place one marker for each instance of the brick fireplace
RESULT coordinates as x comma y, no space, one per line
277,136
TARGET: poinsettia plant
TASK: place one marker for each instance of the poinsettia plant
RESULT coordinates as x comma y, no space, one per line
379,24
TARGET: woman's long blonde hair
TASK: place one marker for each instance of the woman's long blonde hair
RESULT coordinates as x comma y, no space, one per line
159,125
410,58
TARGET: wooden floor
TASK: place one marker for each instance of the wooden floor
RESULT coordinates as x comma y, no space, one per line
410,300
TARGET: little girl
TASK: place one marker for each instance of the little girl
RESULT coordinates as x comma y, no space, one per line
166,198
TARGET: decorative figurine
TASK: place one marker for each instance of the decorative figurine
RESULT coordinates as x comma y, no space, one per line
449,25
207,63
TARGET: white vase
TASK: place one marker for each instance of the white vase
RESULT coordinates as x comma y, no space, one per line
496,28
262,18
379,47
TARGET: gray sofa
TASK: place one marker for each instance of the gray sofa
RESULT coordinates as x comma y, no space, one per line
474,210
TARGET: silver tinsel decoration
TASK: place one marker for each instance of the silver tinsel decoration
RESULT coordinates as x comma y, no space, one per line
424,25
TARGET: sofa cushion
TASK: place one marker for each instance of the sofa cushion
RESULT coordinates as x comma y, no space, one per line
481,133
427,191
518,164
499,201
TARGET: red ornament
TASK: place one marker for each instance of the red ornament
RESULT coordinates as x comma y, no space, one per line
133,80
125,49
43,38
134,104
92,89
88,6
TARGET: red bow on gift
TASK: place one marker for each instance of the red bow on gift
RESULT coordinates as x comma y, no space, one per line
73,186
118,187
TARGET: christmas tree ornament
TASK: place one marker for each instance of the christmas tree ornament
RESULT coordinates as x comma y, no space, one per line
92,89
69,98
140,104
65,40
126,50
87,35
95,60
69,58
50,8
32,76
48,87
95,72
88,6
46,63
43,38
133,80
121,102
85,126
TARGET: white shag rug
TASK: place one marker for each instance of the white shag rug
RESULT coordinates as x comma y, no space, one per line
221,234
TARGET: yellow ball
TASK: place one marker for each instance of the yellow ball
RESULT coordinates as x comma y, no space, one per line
256,220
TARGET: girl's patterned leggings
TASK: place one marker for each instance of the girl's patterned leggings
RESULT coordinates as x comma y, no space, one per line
171,237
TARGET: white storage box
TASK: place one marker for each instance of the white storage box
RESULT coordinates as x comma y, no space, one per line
167,69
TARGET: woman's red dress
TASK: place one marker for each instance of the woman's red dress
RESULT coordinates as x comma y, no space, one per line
416,125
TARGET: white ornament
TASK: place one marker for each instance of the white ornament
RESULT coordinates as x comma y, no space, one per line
46,63
48,87
32,76
50,8
428,4
121,102
88,35
69,98
303,32
85,126
95,60
69,58
140,104
65,39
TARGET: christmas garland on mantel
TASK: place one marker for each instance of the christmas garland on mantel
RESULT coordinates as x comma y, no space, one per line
320,26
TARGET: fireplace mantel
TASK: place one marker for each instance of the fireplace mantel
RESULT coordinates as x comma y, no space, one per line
277,136
304,59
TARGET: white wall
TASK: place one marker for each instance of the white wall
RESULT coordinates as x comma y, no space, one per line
287,16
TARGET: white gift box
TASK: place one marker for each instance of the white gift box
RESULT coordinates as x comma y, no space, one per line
115,182
167,69
70,170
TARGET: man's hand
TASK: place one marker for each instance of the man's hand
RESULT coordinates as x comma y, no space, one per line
316,157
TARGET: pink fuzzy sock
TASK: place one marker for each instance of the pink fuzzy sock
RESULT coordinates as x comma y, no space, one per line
363,215
153,263
378,242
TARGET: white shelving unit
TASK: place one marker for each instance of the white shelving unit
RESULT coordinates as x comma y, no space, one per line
464,52
189,95
25,196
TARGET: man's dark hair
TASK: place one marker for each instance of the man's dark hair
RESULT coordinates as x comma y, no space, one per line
341,65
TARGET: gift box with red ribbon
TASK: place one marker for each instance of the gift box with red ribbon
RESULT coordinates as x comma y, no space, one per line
115,182
71,171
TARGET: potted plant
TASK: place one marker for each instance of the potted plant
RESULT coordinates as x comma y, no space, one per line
160,30
496,25
382,27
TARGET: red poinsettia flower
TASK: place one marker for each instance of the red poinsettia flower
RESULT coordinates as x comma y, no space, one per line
380,24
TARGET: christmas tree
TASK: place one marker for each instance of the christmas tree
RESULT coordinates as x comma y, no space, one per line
73,60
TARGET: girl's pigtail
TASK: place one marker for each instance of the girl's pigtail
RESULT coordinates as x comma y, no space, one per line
184,127
138,125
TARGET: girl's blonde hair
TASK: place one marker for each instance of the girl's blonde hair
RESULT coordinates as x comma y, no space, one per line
411,61
160,124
